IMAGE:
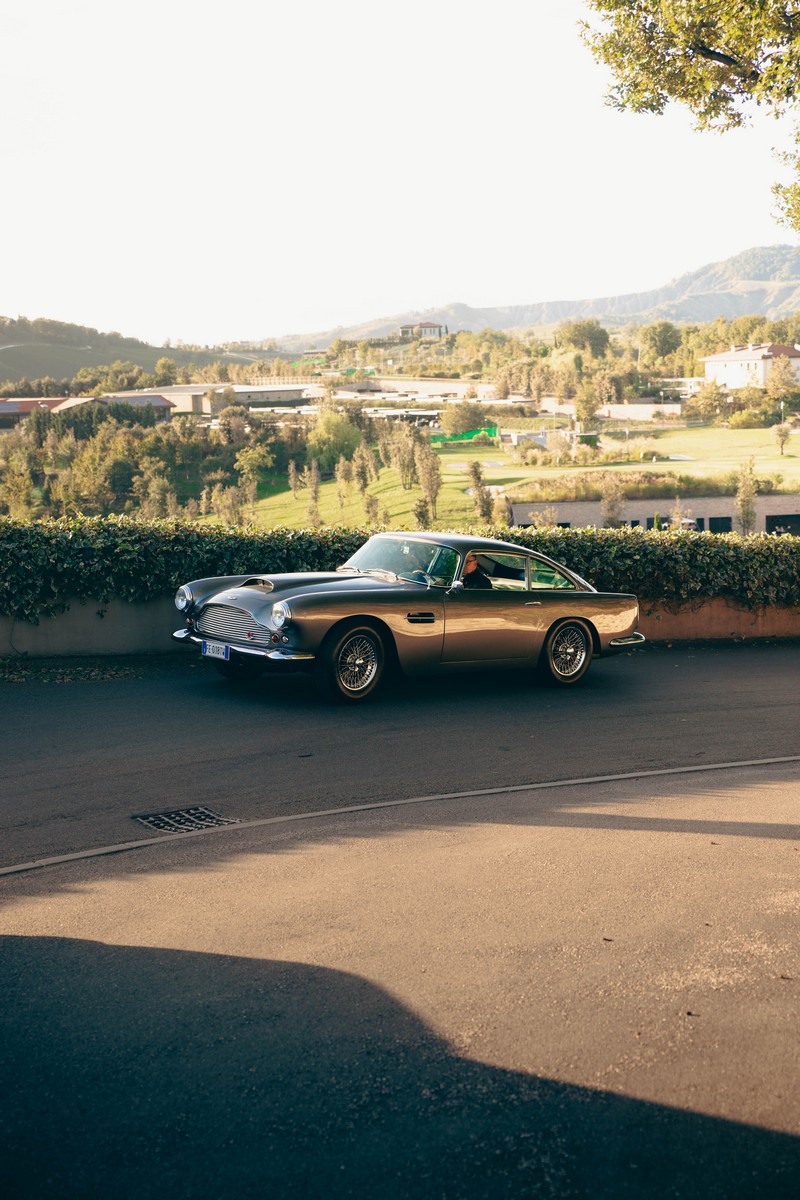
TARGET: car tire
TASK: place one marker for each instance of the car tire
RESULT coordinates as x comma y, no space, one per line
239,670
351,663
567,653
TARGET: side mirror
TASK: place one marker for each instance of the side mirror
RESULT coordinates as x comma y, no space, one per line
457,585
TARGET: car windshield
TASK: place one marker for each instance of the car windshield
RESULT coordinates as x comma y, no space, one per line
415,560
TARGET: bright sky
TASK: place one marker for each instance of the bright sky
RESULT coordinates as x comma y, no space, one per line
244,169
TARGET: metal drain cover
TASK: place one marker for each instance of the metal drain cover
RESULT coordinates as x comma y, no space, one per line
183,820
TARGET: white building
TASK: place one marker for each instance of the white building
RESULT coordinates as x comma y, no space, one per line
748,366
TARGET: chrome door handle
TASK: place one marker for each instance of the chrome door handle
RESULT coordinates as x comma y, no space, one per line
533,604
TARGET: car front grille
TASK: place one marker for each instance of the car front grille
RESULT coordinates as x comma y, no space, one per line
232,625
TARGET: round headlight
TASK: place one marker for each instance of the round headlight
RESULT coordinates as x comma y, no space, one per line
281,613
183,598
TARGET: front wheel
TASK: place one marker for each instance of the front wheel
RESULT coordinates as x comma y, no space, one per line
567,653
351,663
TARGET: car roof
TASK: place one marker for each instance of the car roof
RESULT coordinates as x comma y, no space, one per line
460,541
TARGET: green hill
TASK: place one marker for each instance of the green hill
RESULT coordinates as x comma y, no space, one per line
38,348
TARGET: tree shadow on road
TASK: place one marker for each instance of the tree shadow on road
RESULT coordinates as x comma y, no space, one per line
150,1073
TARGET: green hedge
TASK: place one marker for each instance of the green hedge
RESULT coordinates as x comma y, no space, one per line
44,565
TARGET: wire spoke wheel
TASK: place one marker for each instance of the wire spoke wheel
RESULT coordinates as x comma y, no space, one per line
568,653
357,663
351,665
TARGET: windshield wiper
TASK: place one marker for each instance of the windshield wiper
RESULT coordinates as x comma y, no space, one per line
381,571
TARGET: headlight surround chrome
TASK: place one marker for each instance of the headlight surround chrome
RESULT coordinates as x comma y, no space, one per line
183,598
281,614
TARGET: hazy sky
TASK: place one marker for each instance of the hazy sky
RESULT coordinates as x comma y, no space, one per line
244,169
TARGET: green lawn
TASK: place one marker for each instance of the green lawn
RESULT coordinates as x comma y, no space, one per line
707,451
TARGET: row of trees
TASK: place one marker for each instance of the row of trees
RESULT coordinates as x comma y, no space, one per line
107,458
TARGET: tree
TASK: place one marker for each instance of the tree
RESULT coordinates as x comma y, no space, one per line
612,501
429,473
586,402
422,516
311,480
746,497
720,58
660,339
227,503
404,443
165,372
781,433
371,507
782,381
481,496
344,477
709,402
333,435
502,512
461,418
294,478
364,467
584,335
253,461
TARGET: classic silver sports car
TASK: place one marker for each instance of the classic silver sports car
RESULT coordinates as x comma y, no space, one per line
422,602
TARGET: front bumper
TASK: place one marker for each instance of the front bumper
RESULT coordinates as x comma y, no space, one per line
275,654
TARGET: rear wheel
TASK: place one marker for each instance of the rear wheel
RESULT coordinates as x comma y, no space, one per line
351,663
239,669
567,653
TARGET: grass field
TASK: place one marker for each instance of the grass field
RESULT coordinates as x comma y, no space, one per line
702,452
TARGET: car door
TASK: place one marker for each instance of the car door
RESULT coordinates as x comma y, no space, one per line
501,623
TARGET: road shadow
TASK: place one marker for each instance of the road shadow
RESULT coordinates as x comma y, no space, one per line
150,1073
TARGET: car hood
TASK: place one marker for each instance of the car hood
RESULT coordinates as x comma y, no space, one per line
261,591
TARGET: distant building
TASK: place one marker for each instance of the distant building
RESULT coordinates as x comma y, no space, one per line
424,330
748,366
162,406
775,513
14,409
194,397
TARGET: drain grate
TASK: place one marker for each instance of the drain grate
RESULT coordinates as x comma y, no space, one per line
181,820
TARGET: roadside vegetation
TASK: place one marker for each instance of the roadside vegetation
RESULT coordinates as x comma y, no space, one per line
341,467
47,566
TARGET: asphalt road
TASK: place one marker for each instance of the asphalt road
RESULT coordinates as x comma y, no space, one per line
549,989
81,759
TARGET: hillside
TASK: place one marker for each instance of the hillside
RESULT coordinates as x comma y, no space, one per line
764,280
39,348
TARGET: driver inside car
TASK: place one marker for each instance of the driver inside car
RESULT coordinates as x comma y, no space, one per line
474,575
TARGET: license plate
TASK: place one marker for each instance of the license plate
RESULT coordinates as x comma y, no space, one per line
215,650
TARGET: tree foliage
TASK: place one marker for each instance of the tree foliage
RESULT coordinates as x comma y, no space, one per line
720,58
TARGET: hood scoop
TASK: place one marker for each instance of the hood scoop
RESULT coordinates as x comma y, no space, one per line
259,581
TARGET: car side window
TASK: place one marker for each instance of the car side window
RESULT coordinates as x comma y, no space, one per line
506,571
545,576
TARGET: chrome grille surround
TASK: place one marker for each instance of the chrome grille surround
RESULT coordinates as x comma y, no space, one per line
232,625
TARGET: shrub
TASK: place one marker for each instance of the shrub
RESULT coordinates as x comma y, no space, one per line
48,564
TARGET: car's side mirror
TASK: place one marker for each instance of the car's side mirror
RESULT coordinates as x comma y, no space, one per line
457,585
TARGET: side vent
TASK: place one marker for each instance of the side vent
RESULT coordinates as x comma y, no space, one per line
421,618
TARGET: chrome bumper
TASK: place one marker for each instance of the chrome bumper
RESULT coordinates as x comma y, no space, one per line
274,654
624,643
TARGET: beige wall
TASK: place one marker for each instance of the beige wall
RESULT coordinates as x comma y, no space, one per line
123,629
146,628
